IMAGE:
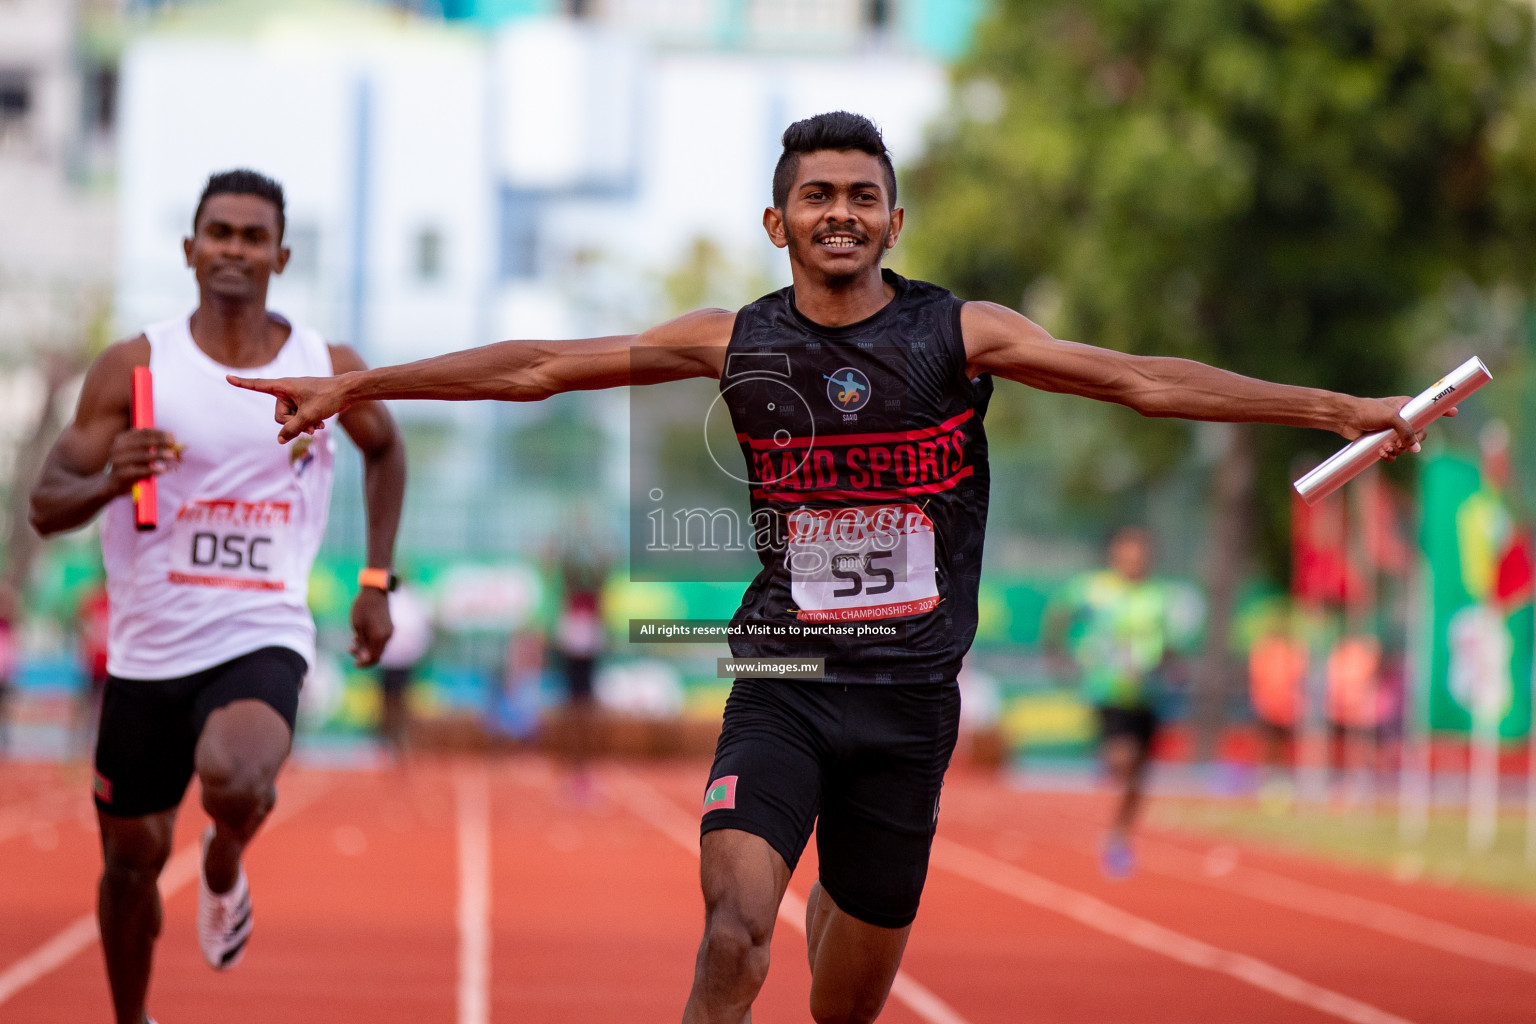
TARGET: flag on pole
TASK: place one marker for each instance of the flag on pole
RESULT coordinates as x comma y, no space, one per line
1481,619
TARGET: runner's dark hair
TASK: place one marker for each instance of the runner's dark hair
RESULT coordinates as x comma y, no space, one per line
838,130
242,182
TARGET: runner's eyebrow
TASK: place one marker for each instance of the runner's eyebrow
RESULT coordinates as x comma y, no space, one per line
829,186
243,229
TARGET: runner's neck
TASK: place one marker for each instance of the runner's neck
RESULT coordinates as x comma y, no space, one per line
841,304
241,336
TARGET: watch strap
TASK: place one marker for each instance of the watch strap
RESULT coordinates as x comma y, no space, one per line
380,579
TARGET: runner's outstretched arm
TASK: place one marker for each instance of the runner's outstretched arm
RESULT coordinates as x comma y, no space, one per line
373,430
1001,341
693,345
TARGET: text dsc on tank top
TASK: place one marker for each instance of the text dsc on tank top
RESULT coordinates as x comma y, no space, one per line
868,469
227,571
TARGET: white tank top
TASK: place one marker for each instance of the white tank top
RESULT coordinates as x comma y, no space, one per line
227,571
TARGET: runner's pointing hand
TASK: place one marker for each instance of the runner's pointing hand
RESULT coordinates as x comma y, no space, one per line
303,403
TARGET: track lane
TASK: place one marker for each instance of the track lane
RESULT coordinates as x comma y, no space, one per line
666,798
321,921
1407,978
1479,909
591,908
1001,960
1421,913
47,876
355,912
28,811
595,917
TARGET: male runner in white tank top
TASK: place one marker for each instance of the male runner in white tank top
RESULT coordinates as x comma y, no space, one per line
210,633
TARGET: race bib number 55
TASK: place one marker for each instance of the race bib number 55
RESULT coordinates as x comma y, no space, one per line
242,545
870,562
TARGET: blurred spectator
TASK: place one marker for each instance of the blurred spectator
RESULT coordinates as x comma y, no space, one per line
1353,694
10,607
1354,700
91,634
515,713
579,640
1277,668
406,647
1117,632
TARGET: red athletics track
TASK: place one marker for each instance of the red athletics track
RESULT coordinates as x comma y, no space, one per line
471,891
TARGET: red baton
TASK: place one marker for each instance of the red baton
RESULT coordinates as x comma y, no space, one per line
145,510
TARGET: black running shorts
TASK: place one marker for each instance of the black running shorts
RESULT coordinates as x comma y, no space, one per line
150,727
1139,724
578,679
862,763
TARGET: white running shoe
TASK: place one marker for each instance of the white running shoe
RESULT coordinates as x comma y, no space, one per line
223,919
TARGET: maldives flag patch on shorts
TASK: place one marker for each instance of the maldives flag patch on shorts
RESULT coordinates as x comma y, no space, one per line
721,795
102,786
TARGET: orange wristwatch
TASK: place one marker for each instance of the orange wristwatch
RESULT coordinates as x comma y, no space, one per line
380,579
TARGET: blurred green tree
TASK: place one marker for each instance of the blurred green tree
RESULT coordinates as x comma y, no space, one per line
1275,186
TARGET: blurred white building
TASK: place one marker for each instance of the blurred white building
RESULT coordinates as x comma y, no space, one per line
57,113
518,168
56,219
376,132
449,186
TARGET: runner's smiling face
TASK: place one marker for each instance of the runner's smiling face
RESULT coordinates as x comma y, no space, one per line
837,221
236,247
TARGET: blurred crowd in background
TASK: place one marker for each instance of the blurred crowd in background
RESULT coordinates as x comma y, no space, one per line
1338,193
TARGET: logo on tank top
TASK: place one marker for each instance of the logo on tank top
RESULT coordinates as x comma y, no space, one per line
300,457
847,389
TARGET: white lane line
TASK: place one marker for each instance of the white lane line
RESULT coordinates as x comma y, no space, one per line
1138,931
921,1000
48,957
472,797
1176,861
81,933
642,800
1292,894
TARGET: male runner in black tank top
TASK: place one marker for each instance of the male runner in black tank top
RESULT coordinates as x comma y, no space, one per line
875,506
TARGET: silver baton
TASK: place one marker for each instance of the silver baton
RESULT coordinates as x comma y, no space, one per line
1425,407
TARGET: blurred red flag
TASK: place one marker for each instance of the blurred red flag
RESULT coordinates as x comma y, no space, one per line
1334,553
1320,569
1380,507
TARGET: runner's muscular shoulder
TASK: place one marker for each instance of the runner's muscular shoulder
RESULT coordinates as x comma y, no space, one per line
72,485
101,413
691,345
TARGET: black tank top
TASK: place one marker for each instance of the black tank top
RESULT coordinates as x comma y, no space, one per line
867,464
